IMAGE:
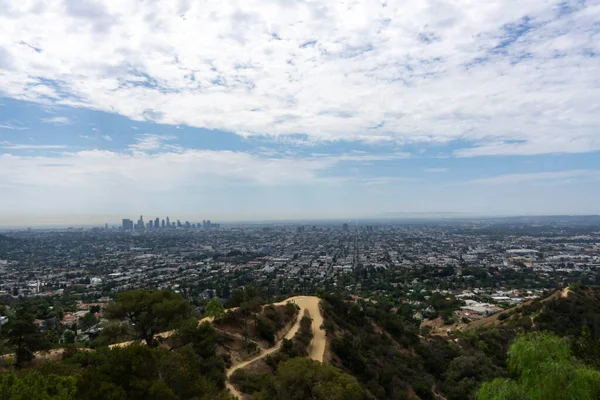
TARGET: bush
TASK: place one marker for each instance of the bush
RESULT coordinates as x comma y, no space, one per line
265,330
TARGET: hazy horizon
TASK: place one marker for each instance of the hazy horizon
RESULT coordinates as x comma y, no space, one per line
100,221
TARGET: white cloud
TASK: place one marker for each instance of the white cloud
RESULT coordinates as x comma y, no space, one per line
107,138
150,142
491,72
436,169
551,177
548,144
139,171
12,127
144,168
56,120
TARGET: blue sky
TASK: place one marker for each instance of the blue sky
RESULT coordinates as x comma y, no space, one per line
281,110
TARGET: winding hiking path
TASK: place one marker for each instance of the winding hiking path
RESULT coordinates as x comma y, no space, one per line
316,348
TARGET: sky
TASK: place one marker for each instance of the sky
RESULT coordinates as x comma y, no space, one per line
281,109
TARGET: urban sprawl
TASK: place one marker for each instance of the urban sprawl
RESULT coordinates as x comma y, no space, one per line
417,267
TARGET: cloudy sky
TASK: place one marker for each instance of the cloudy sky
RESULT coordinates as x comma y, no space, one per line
276,109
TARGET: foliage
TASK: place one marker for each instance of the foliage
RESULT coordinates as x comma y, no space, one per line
502,389
465,373
302,378
31,385
546,370
140,372
382,360
88,321
149,312
69,337
202,340
215,309
296,347
24,336
241,295
265,330
566,316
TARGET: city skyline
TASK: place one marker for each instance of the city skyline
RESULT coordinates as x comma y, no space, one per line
164,223
297,110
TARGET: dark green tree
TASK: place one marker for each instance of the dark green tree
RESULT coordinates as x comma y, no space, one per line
69,337
24,336
303,378
88,321
465,373
149,312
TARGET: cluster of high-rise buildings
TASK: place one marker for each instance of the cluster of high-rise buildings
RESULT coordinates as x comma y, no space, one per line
157,223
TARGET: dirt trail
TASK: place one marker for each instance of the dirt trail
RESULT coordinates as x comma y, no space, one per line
316,348
311,303
317,345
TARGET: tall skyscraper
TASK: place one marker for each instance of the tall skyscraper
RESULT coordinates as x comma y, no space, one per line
156,223
168,222
140,223
162,224
127,225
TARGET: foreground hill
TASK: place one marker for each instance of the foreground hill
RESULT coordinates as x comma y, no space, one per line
311,348
394,359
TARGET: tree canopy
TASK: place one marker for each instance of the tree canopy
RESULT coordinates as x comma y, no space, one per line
215,309
546,370
31,385
303,378
149,312
24,336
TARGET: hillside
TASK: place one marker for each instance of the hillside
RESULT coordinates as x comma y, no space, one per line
393,359
260,351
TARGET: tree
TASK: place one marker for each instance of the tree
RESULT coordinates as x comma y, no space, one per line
95,309
131,372
22,333
502,389
141,372
215,309
303,378
88,321
464,374
149,312
32,385
546,370
69,337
